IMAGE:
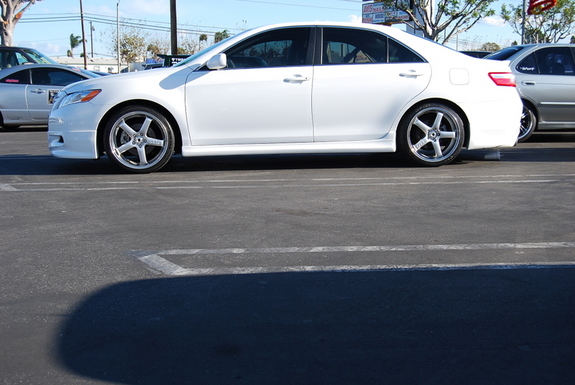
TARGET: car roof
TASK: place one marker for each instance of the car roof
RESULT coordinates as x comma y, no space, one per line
10,70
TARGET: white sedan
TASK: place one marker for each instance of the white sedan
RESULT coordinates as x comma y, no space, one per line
294,88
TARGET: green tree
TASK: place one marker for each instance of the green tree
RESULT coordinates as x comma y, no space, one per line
548,27
440,20
11,12
132,45
219,36
492,47
203,39
74,42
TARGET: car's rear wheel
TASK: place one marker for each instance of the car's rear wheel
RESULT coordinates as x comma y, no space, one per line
431,134
139,139
528,123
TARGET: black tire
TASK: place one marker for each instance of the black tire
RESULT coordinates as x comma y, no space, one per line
431,134
139,139
528,123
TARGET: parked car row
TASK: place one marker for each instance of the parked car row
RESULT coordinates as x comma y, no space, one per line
297,88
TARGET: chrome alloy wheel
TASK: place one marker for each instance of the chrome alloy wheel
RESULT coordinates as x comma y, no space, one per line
432,135
139,139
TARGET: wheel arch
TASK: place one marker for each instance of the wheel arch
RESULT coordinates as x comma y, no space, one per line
144,103
533,107
448,103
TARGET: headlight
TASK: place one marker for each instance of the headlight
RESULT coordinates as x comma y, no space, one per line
63,99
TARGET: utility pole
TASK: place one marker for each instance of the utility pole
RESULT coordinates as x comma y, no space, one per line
83,36
118,34
92,29
173,28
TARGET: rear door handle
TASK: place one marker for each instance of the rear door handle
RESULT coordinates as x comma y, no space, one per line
39,91
296,79
528,83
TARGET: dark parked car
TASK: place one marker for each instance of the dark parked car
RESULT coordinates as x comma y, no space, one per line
13,56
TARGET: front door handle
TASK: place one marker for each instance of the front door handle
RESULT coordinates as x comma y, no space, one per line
411,74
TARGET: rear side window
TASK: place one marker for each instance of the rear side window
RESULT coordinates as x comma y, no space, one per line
348,46
20,77
548,61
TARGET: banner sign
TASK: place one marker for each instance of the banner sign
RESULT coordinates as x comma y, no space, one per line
378,13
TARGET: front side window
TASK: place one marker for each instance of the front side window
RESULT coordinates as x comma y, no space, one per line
348,46
54,77
281,48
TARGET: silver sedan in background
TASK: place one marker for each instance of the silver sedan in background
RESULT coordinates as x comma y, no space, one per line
545,75
27,91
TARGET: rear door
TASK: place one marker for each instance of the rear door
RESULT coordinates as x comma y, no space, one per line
363,81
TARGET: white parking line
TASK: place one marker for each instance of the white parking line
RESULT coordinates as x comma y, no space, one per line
161,265
286,183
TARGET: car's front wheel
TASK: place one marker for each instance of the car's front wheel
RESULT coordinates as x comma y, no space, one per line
139,139
528,123
431,134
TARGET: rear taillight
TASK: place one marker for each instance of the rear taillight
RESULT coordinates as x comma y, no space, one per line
503,78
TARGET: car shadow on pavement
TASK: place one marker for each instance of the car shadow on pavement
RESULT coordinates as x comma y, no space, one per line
469,326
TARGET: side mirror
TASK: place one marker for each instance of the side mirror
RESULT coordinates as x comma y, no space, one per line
218,62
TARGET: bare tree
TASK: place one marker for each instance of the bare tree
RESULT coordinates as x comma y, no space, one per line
547,27
440,20
11,13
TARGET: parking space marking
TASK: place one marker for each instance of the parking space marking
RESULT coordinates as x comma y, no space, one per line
157,263
286,183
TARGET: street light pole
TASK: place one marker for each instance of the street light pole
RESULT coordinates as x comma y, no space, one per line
118,33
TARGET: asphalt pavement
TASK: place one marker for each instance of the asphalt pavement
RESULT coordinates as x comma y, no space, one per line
327,269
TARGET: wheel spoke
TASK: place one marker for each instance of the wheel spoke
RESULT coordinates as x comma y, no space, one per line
419,145
125,147
145,126
142,155
154,142
447,135
127,129
424,127
437,122
437,148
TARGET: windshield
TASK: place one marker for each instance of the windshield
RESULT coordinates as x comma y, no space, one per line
505,53
38,57
191,59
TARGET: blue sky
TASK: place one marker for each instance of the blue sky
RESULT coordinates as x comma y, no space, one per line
48,24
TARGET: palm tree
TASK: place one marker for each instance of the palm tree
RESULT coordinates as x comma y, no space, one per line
74,42
219,36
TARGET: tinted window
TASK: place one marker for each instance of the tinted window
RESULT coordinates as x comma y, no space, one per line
505,53
348,46
282,48
555,61
528,65
20,77
54,77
